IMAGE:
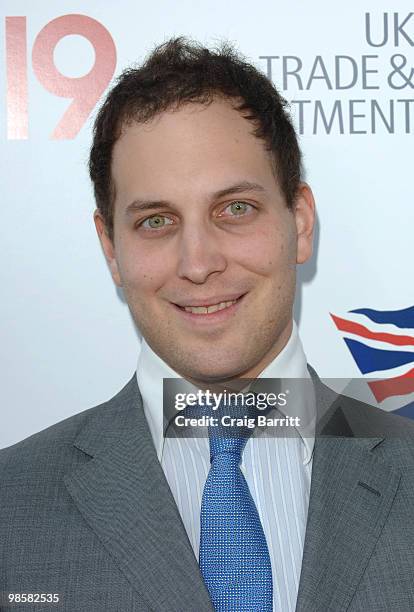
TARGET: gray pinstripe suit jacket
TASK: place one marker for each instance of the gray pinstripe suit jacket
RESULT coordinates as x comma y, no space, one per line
86,512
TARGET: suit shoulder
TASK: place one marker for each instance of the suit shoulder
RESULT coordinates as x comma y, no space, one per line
361,419
371,420
341,415
46,450
396,432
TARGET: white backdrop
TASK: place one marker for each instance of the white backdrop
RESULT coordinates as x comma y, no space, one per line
67,338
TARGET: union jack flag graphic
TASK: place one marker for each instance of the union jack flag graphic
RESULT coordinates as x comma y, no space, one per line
381,343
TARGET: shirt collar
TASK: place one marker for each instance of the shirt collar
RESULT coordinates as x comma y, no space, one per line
289,363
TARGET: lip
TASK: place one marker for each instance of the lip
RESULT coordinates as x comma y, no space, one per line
211,317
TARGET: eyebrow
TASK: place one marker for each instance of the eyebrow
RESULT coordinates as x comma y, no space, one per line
242,187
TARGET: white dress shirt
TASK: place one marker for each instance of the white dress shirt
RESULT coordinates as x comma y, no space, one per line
277,469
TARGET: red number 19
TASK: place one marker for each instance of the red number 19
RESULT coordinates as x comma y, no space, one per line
84,91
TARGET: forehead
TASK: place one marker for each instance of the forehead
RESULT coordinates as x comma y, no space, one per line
189,148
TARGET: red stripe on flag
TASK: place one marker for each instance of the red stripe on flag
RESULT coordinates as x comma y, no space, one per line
400,385
361,330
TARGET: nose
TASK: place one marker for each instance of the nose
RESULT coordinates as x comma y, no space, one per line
201,254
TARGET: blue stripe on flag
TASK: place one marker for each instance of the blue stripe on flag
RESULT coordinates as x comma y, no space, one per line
370,359
401,318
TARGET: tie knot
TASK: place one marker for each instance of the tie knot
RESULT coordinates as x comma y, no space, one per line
235,423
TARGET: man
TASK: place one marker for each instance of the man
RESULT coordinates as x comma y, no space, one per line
203,217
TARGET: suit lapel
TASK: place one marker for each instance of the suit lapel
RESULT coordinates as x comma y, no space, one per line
350,498
124,497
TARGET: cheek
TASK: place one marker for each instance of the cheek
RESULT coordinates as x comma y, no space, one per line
269,252
141,270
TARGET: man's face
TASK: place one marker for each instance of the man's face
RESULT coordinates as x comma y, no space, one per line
199,220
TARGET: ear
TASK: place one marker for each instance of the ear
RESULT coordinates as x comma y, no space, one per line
107,246
304,211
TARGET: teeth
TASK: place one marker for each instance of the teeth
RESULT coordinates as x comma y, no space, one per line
207,309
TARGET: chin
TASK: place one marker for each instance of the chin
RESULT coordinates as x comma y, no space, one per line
214,373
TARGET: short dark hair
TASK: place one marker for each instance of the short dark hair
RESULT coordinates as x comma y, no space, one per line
180,71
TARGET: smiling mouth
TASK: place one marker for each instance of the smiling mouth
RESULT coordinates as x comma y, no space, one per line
208,309
211,308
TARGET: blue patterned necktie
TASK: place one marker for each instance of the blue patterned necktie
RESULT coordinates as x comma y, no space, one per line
234,558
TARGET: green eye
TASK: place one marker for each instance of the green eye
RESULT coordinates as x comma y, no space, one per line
155,222
239,208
